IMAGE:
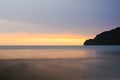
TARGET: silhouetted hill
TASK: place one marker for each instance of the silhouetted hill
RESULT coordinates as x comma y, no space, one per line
111,37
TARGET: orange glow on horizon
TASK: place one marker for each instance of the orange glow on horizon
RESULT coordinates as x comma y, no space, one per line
41,39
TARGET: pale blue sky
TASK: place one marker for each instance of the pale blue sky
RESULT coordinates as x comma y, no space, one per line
85,17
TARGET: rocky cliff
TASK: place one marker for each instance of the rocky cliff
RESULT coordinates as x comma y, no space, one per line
111,37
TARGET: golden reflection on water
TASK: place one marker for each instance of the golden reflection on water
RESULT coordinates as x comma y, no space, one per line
43,54
60,64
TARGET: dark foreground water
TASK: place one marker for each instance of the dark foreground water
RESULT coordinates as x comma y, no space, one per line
60,63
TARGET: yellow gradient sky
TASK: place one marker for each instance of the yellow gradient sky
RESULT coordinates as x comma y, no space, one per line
41,39
23,33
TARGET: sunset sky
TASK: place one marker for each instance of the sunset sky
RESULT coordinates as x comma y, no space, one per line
55,22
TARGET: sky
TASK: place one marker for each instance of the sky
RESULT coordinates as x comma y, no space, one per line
55,22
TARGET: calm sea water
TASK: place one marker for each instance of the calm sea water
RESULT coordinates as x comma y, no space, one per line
59,62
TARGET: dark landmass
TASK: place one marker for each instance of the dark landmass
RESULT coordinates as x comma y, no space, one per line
111,37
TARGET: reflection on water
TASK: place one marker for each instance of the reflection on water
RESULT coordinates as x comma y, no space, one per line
60,63
43,54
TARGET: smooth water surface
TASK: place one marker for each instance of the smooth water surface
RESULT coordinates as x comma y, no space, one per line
59,62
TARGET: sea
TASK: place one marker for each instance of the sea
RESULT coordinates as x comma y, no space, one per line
60,62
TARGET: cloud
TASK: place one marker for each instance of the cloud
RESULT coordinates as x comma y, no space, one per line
10,26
